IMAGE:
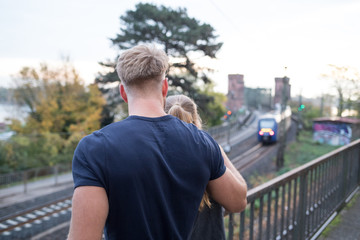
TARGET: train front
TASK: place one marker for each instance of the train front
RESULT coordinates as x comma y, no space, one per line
267,130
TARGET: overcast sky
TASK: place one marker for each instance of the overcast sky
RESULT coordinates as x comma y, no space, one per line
260,38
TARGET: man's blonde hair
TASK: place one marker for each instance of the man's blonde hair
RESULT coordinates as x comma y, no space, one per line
141,64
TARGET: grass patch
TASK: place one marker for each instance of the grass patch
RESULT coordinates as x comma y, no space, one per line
303,151
257,179
352,201
331,226
337,220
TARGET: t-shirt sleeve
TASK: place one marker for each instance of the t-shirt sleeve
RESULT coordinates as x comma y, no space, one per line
217,167
89,162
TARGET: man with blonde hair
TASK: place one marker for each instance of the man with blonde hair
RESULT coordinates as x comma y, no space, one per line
144,177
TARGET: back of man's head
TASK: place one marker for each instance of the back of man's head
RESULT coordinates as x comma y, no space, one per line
142,64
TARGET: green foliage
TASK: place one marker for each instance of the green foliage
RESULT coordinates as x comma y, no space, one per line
31,151
183,38
308,112
62,111
214,110
346,82
303,151
58,101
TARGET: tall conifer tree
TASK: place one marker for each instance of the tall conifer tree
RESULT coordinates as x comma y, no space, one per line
183,38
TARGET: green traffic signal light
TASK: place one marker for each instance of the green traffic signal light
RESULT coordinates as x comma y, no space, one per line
302,107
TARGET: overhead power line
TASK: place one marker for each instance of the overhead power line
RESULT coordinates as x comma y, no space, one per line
233,25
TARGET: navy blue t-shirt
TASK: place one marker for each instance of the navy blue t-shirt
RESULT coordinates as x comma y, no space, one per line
154,171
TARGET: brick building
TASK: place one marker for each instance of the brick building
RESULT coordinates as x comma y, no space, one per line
235,96
279,85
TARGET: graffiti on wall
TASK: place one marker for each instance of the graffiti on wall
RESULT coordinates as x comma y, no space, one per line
332,134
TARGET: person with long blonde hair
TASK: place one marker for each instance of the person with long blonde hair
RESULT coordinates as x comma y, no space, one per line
209,223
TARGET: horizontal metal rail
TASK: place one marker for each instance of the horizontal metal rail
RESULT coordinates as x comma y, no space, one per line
296,204
23,177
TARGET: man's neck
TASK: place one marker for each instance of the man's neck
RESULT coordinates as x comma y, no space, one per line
146,107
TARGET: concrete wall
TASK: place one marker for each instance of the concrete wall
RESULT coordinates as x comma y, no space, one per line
334,134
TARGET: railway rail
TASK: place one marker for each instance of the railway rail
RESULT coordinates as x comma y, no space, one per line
29,222
251,156
250,151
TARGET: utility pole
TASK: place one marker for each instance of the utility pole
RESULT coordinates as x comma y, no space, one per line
299,125
227,147
322,106
282,127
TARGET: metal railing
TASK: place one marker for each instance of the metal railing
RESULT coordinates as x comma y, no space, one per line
296,204
23,177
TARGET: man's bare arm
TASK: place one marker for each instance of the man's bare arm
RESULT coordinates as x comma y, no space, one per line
232,168
90,209
230,189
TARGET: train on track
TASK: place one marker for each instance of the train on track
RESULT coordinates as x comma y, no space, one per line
269,125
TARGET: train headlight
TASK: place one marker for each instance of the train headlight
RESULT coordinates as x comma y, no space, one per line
261,133
272,133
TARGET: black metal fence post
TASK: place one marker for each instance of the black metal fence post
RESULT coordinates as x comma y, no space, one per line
25,180
358,158
300,229
344,176
56,173
231,226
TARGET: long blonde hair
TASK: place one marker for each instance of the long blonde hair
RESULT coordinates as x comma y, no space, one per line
185,109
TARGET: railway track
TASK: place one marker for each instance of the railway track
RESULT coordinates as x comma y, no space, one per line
248,152
241,147
29,222
251,156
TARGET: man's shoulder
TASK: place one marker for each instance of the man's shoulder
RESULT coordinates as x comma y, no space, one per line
110,127
90,141
200,136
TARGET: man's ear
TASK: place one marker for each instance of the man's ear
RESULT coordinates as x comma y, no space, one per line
123,93
165,87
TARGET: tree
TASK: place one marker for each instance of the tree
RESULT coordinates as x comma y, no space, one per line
346,82
183,38
57,100
61,111
214,110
